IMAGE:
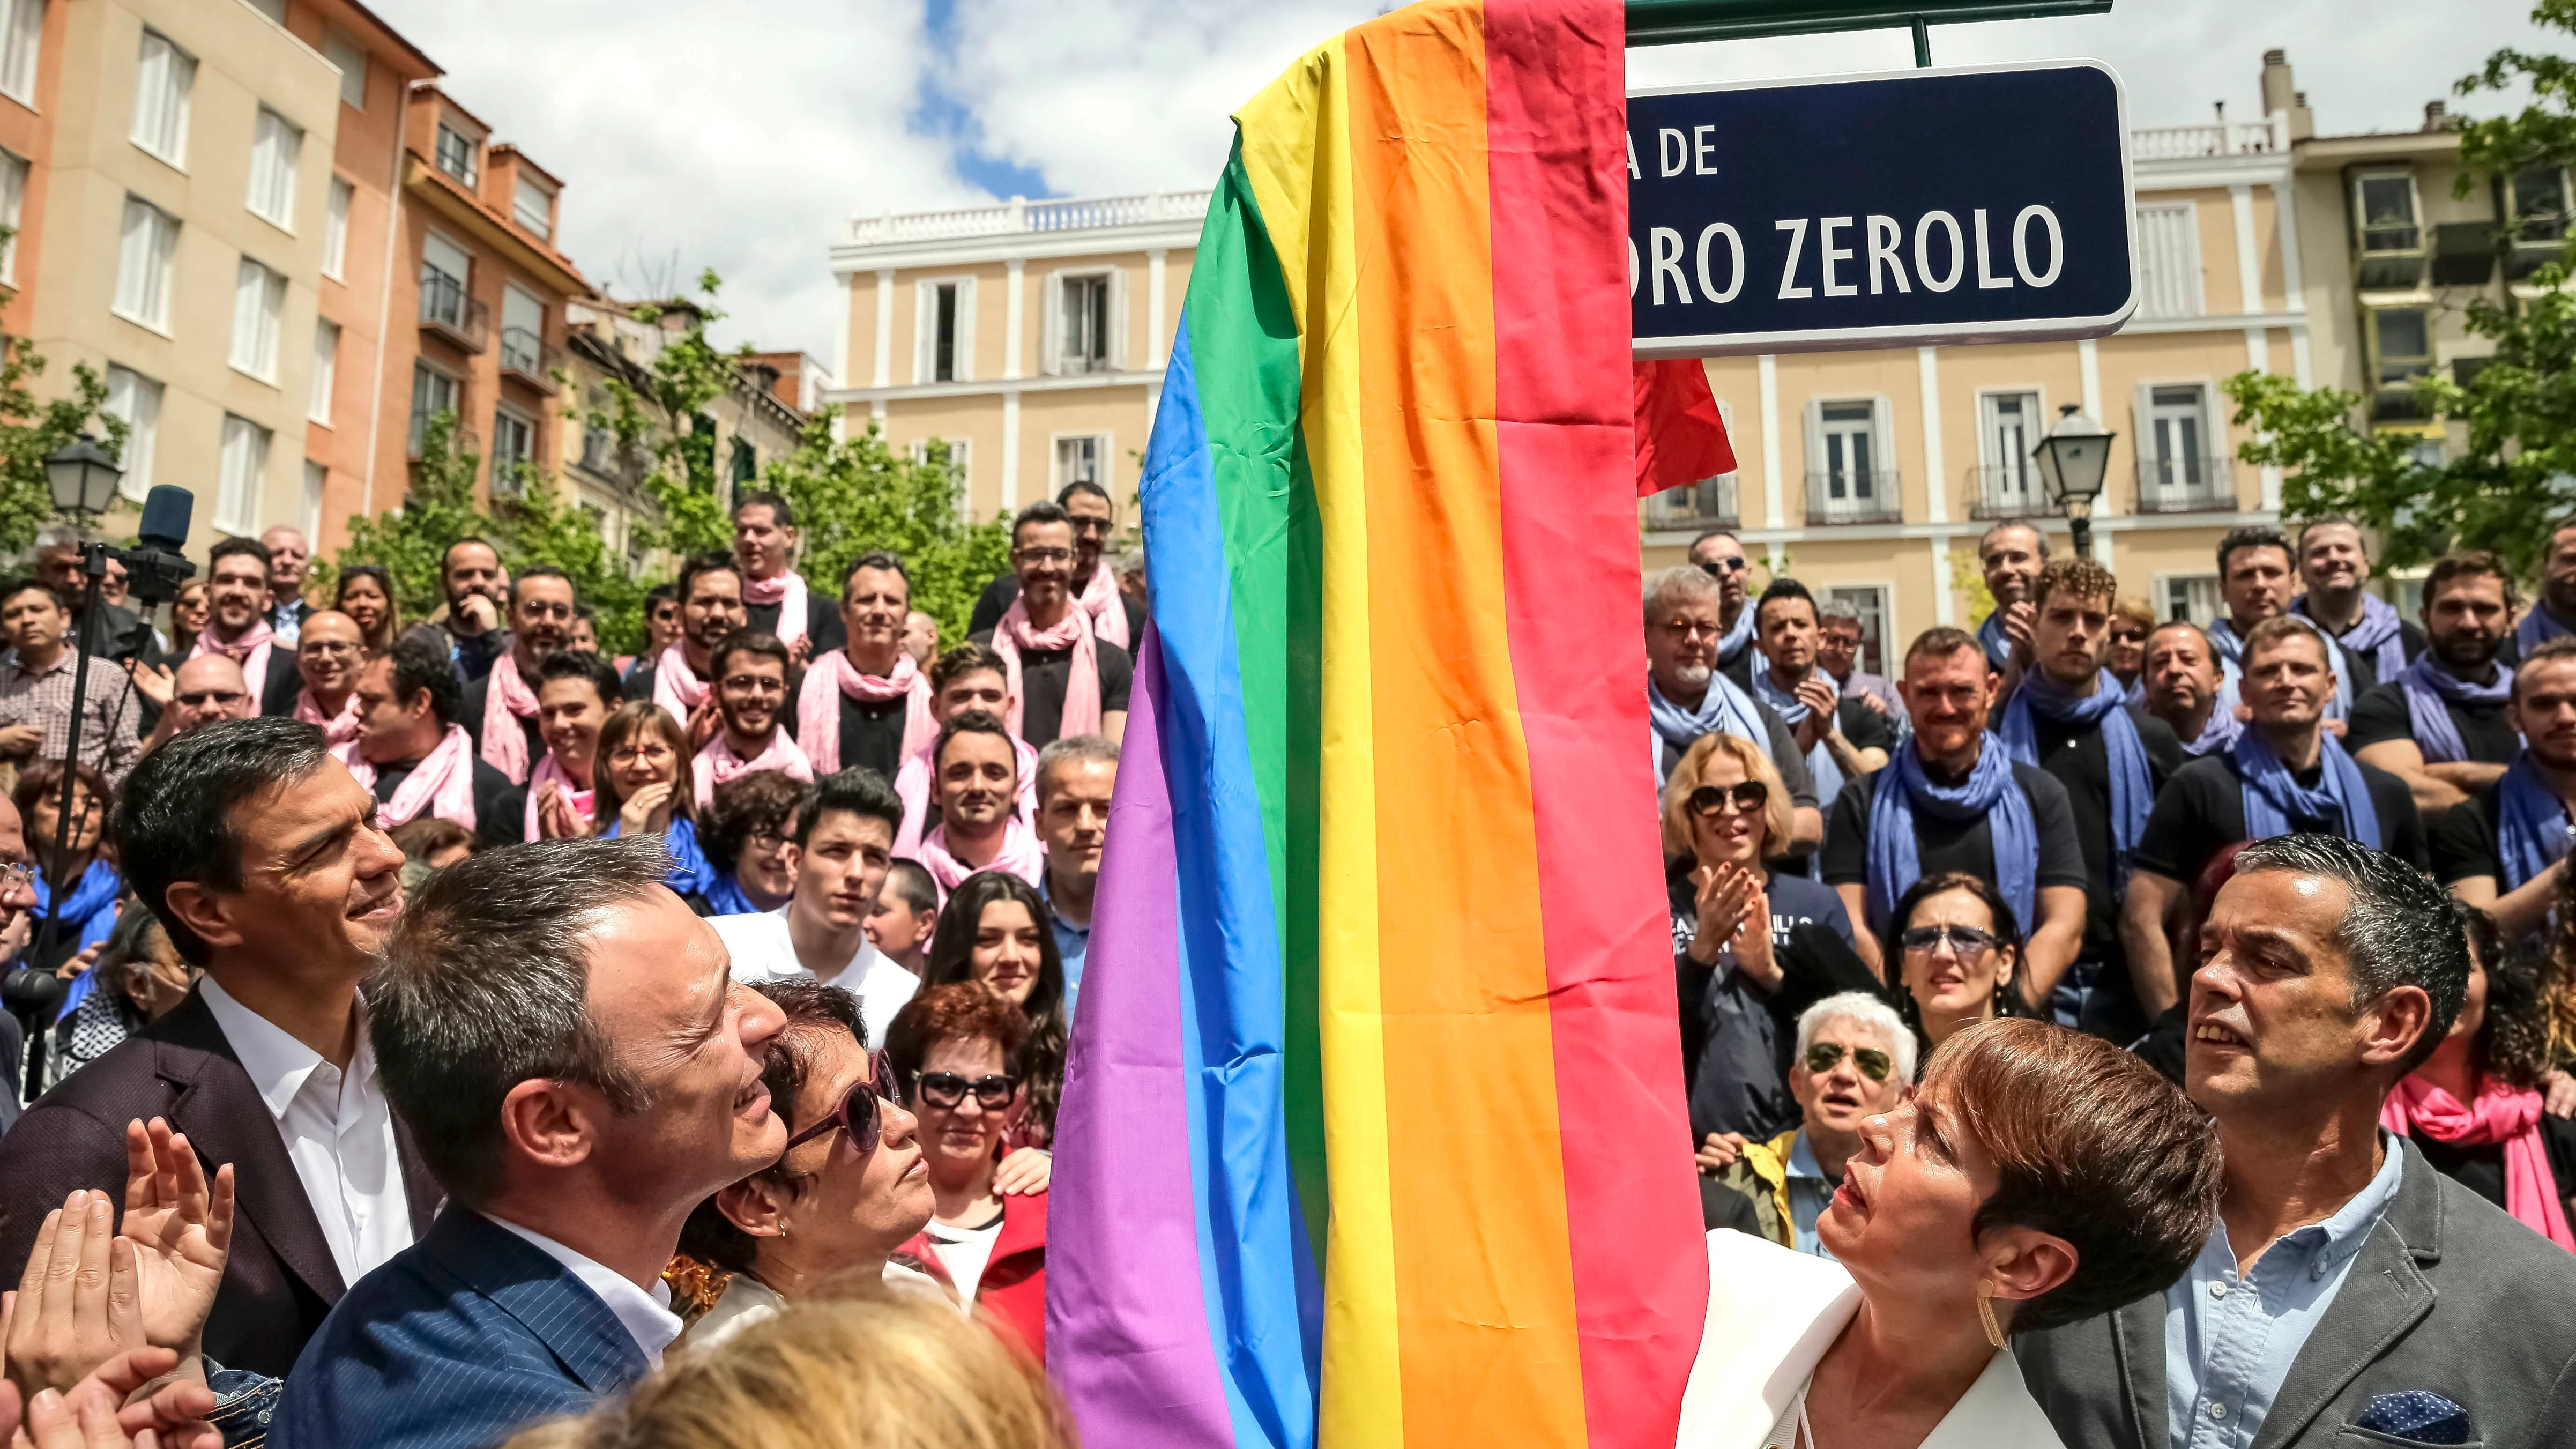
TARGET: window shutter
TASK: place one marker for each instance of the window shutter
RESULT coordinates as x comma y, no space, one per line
966,329
1051,324
925,326
1890,491
1117,319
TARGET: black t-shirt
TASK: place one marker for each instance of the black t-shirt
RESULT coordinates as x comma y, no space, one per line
2076,757
1043,676
2462,840
996,599
872,734
476,699
2480,1168
500,808
1866,728
2202,811
1960,845
2365,664
822,619
2379,715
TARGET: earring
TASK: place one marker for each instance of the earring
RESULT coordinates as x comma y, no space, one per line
1986,1311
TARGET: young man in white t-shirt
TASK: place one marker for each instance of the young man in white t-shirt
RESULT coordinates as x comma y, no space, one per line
844,847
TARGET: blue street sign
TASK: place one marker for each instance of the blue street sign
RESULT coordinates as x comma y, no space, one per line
1984,204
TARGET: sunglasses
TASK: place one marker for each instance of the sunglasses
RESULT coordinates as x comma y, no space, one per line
857,1113
199,699
1965,940
1824,1056
1713,800
947,1089
1721,567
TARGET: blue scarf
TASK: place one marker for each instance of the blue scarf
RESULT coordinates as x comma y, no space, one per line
2277,804
1793,713
2135,696
2378,635
2219,735
1724,708
2531,826
89,913
2133,785
1738,639
2231,668
1895,860
725,897
2428,687
2537,628
1999,645
690,871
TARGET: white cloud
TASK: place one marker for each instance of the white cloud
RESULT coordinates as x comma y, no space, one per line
743,137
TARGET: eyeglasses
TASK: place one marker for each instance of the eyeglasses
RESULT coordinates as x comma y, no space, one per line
947,1089
857,1113
653,753
15,878
327,648
1045,555
1082,525
543,609
199,699
1685,628
765,840
1965,940
1721,567
1824,1056
1713,800
755,684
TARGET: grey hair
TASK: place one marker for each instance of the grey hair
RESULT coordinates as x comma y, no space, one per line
1073,747
1679,584
485,984
2400,929
2009,525
1867,1010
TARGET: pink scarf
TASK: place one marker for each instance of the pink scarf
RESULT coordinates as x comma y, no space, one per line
818,705
1106,606
1022,855
550,773
787,591
250,651
506,701
341,728
2501,1113
675,688
1082,683
913,782
438,788
717,764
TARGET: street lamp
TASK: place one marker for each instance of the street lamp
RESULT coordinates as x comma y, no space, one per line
2073,460
83,479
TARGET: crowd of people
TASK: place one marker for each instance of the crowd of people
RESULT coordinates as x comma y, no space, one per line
451,1035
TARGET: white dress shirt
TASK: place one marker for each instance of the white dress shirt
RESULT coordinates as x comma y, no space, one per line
763,951
338,1130
647,1317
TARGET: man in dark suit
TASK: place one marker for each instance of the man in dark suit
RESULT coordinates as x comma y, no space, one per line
262,858
778,601
1094,520
288,557
566,1038
2348,1293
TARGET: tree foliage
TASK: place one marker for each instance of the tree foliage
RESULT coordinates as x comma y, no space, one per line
31,431
853,496
653,415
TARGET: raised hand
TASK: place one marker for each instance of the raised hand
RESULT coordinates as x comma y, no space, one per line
182,1232
89,1417
66,1318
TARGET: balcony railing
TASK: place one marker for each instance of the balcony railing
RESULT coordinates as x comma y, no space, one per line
1850,497
530,356
447,311
1011,217
2228,138
2007,490
2186,485
1708,503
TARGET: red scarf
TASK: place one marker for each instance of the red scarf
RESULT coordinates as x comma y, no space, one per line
787,591
717,764
1082,682
506,701
440,787
2501,1113
676,688
818,705
250,651
339,729
1106,606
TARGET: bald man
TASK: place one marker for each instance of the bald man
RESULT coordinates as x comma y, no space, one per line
328,651
205,689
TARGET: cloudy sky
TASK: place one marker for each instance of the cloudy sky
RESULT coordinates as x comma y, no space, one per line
742,136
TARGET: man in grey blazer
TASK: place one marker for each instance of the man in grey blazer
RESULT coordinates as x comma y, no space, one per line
2349,1295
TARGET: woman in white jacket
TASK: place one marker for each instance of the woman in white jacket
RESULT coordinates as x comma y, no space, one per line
2038,1176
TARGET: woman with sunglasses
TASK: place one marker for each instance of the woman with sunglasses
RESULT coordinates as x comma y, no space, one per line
958,1055
1958,951
188,614
994,929
849,1190
1725,810
365,593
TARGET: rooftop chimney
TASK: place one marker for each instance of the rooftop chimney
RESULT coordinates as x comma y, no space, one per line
2437,116
2281,94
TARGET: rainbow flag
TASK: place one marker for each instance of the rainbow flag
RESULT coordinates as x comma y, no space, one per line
1373,1132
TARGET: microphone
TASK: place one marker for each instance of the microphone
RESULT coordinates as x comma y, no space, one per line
166,511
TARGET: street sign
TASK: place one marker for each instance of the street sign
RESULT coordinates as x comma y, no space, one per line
1984,204
1673,22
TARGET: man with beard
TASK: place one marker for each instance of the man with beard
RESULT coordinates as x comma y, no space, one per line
1720,555
1688,695
2011,556
2182,685
288,556
775,599
237,627
1842,738
2071,718
2555,614
329,649
2286,772
1095,581
417,759
681,678
751,700
2377,643
2504,847
500,709
1838,636
844,848
469,573
2440,724
1065,677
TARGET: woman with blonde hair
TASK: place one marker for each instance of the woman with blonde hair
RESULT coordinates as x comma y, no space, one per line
871,1370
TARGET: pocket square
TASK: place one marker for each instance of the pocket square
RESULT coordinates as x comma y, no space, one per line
2417,1414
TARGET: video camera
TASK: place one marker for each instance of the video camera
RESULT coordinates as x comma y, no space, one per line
155,568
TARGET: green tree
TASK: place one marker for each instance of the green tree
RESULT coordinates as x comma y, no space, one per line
439,509
2518,409
854,495
31,431
654,416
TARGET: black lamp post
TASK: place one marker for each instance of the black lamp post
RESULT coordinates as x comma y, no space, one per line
2073,460
83,480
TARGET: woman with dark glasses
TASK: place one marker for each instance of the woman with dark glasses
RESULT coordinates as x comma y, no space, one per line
958,1054
848,1192
1957,951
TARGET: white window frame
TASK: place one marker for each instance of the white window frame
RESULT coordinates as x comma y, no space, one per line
2219,480
960,455
472,177
522,186
317,477
340,51
527,423
335,230
259,310
277,148
145,301
14,169
1990,459
1885,608
242,467
1102,439
2170,280
1052,343
1882,447
166,139
136,399
2361,213
925,325
2167,583
420,416
512,292
22,39
326,369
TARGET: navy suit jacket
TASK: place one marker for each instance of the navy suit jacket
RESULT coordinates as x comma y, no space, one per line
463,1339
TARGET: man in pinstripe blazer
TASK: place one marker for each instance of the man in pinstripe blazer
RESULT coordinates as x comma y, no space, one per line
566,1042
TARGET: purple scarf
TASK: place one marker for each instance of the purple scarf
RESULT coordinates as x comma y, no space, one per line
2429,688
